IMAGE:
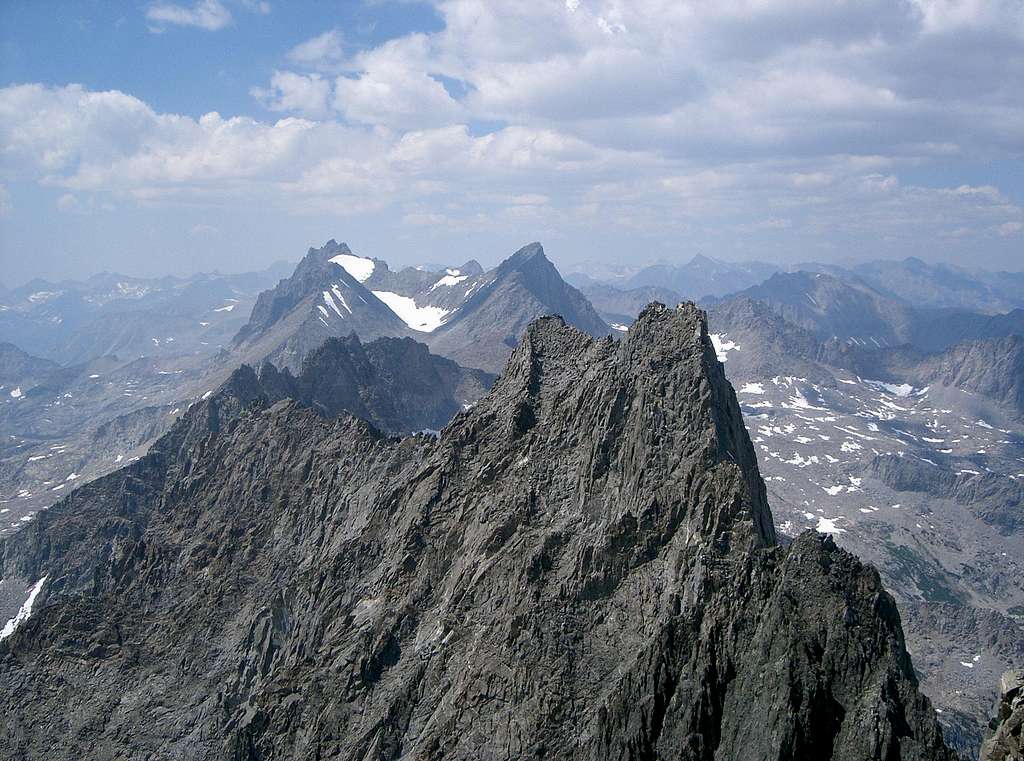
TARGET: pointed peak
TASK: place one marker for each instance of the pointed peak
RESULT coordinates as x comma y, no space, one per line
529,258
700,260
329,249
529,251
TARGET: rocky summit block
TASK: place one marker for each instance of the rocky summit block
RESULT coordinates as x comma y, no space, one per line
581,566
1007,740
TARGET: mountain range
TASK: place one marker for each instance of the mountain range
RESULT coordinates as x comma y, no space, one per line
891,424
582,565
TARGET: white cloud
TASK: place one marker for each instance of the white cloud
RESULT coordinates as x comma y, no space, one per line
393,87
205,14
322,49
785,119
305,94
114,145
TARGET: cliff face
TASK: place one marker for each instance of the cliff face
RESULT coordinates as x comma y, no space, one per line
582,566
1007,741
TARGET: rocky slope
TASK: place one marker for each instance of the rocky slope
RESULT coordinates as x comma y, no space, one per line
849,309
21,370
993,368
582,566
920,478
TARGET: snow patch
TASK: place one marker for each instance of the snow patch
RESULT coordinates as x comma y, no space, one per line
752,388
424,319
723,346
828,526
450,280
358,267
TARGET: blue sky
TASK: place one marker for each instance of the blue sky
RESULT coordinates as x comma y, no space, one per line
155,137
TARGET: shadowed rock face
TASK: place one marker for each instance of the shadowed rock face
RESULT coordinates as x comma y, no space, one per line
394,383
582,566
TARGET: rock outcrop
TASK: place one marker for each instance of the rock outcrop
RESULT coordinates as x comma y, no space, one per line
394,383
583,566
1007,743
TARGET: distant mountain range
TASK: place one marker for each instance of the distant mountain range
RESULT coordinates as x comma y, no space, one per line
700,277
70,322
464,313
853,311
911,281
935,285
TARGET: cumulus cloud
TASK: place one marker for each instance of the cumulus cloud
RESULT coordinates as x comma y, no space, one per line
325,48
205,14
305,94
768,120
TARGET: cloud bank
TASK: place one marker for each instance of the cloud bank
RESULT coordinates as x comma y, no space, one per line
757,124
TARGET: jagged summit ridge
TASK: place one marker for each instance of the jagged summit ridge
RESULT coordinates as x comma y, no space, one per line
577,568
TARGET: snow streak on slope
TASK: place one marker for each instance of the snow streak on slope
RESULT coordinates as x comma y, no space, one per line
25,612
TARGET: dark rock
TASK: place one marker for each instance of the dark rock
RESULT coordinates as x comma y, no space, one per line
1007,742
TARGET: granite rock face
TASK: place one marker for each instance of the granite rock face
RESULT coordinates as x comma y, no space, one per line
1007,742
993,368
583,565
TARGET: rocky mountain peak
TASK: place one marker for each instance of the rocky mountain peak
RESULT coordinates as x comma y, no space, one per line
329,249
472,268
584,557
530,260
659,390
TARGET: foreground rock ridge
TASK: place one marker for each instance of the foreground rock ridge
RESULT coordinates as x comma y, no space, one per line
1007,740
582,565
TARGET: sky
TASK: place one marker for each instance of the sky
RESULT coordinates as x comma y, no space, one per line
179,136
